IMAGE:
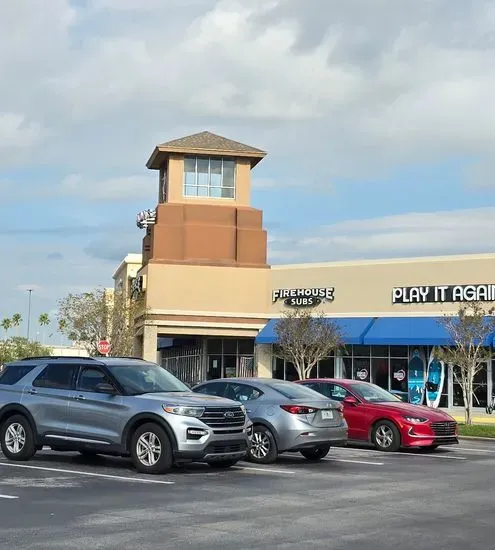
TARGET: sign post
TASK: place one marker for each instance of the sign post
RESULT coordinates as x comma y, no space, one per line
104,347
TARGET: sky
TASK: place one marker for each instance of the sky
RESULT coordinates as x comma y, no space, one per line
377,118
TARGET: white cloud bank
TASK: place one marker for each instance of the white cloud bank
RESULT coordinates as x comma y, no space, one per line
350,88
414,234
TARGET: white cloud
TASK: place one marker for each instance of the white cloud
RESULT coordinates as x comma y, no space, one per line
364,87
129,188
17,132
413,234
118,189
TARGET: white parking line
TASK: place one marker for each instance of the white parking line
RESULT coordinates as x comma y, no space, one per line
471,450
8,496
91,474
270,470
354,461
431,455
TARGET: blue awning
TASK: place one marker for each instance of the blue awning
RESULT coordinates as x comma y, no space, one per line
353,329
408,331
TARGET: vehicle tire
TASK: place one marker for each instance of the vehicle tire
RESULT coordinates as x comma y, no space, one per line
223,464
263,446
17,438
315,454
151,450
385,436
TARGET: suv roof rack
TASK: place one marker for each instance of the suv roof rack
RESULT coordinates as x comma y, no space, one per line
127,357
38,357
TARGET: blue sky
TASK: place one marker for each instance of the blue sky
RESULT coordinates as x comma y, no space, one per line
377,119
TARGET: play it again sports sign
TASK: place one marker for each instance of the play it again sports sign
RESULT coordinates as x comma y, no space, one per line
443,294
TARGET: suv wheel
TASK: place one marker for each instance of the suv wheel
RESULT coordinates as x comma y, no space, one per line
314,454
263,448
151,450
17,438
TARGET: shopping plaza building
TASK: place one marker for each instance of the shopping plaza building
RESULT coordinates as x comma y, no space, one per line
212,300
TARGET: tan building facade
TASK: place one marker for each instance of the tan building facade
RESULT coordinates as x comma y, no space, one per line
212,299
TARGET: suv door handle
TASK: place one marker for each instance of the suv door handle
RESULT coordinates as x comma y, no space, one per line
79,397
32,391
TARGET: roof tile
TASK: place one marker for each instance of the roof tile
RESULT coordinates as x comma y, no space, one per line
210,142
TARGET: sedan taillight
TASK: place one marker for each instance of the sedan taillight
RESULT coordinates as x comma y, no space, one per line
298,409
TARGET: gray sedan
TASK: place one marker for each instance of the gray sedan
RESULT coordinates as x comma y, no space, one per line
286,416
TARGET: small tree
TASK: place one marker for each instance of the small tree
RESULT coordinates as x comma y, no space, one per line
469,331
17,348
306,336
92,316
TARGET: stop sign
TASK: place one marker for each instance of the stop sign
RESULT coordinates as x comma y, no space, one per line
104,347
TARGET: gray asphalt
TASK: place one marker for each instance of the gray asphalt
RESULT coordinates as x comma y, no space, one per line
358,498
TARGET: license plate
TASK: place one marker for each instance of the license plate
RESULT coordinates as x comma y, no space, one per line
325,415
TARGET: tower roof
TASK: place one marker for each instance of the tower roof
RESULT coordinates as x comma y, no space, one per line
204,143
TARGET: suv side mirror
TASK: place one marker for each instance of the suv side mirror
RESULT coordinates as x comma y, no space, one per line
350,400
104,387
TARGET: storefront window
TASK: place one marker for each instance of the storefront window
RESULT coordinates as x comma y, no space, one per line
361,369
380,351
214,369
285,370
290,372
398,377
326,368
361,351
480,388
399,351
347,367
278,368
379,372
229,357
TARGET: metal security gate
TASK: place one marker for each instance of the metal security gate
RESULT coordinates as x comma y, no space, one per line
186,363
246,366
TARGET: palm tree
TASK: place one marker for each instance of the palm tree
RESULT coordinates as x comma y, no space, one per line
43,319
16,321
6,324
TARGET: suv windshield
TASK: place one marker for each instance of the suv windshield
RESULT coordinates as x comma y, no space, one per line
146,378
372,393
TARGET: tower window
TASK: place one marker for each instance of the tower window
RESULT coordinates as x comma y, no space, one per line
209,177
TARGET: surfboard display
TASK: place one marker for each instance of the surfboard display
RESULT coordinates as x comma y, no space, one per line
435,376
416,376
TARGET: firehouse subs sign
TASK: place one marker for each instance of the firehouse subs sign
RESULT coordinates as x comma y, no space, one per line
443,294
303,297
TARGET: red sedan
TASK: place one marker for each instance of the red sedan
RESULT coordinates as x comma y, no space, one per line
376,416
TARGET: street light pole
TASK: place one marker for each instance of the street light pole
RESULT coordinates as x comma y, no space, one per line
30,290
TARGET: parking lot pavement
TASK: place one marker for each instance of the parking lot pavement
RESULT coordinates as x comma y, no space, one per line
355,497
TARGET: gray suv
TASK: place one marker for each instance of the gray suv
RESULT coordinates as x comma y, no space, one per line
116,406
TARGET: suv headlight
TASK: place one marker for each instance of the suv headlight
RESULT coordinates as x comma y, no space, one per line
184,411
243,409
416,419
